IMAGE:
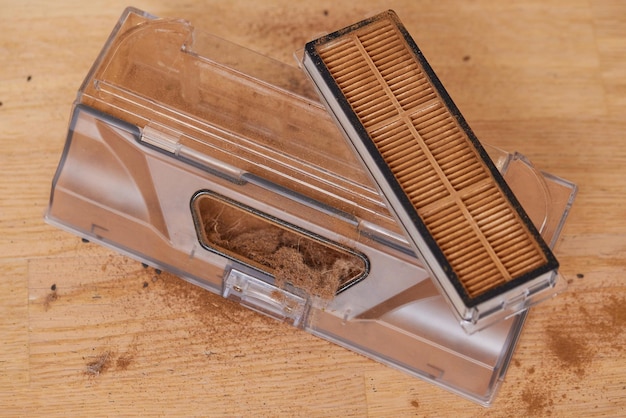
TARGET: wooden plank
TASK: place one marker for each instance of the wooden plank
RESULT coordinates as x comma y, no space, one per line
541,77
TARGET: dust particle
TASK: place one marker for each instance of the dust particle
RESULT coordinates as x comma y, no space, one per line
415,404
537,402
50,298
145,284
572,352
99,365
580,276
30,77
124,361
616,309
53,287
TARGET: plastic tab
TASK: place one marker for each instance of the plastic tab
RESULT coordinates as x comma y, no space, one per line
263,297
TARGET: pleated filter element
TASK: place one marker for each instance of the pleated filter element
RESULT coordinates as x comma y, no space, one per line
457,211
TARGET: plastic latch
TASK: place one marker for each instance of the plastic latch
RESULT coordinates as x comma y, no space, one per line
263,297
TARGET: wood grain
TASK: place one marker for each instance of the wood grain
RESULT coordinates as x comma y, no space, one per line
546,78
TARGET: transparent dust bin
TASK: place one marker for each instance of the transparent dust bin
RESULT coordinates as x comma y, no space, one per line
204,159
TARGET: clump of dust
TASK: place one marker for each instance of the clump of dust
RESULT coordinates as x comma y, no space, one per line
99,365
573,347
292,258
572,352
50,297
537,402
124,361
109,360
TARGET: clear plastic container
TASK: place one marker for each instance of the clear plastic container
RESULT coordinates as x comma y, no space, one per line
202,158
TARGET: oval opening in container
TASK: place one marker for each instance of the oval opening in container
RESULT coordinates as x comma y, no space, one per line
290,254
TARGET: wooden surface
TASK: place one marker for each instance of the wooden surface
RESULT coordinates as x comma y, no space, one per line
546,78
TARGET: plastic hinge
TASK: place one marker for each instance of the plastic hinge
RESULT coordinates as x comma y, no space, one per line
160,139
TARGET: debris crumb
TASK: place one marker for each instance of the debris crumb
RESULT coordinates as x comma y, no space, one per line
50,298
124,361
99,365
571,351
538,402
